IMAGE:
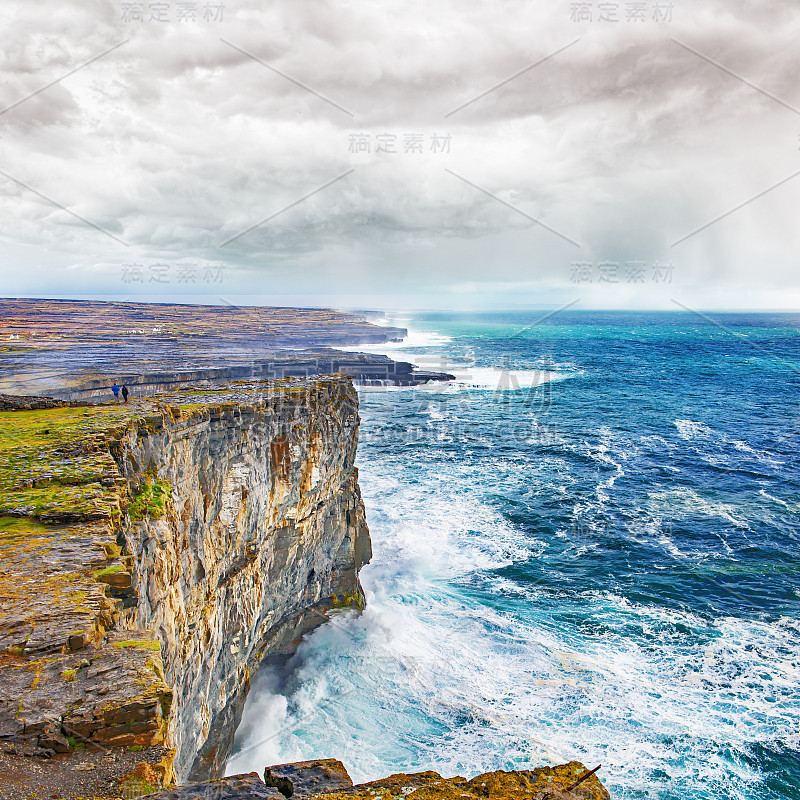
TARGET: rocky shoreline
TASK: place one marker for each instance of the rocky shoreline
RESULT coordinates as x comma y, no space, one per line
328,778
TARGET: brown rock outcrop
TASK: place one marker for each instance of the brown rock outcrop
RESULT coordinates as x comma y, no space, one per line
328,780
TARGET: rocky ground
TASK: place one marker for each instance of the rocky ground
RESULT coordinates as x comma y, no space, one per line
328,779
55,344
65,677
89,772
124,775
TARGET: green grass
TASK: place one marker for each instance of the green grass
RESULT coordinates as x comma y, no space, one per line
138,643
113,570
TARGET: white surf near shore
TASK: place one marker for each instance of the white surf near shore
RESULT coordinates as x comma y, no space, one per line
420,348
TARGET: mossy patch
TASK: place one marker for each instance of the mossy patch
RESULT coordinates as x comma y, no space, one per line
138,643
20,527
55,464
112,549
139,789
348,601
151,500
112,570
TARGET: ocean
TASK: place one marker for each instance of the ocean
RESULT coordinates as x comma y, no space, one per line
587,547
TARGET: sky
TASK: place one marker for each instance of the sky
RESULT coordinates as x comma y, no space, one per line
502,154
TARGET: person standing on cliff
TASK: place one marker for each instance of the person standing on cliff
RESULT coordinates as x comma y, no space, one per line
115,389
124,392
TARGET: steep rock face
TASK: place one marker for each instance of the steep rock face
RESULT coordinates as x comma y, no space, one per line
263,532
152,557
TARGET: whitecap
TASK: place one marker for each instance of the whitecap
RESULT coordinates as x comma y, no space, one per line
688,429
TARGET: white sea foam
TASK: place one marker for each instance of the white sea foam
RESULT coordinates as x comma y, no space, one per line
427,678
500,379
683,503
688,429
424,680
431,677
415,340
718,448
416,348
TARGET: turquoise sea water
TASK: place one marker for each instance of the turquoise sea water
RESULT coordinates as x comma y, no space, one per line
592,552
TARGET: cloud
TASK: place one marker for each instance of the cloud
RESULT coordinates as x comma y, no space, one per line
623,142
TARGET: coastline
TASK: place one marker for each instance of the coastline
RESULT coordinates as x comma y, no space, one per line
571,575
493,557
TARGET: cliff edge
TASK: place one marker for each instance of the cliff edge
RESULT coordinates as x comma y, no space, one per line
151,558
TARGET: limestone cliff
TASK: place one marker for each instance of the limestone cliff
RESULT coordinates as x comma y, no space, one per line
151,558
154,556
264,532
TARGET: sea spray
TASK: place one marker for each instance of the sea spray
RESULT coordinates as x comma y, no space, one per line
624,591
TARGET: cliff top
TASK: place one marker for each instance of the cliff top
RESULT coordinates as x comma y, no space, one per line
45,344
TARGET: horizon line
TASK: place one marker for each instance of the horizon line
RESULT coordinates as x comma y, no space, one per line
334,306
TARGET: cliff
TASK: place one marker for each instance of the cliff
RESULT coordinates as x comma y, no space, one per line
365,370
153,557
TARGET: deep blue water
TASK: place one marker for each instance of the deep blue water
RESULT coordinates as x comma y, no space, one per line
592,552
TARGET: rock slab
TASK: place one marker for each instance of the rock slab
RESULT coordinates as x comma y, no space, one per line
328,778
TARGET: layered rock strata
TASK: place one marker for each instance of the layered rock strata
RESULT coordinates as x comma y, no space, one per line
365,369
152,558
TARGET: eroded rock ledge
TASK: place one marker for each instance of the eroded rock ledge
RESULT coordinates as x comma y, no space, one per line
154,556
328,779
